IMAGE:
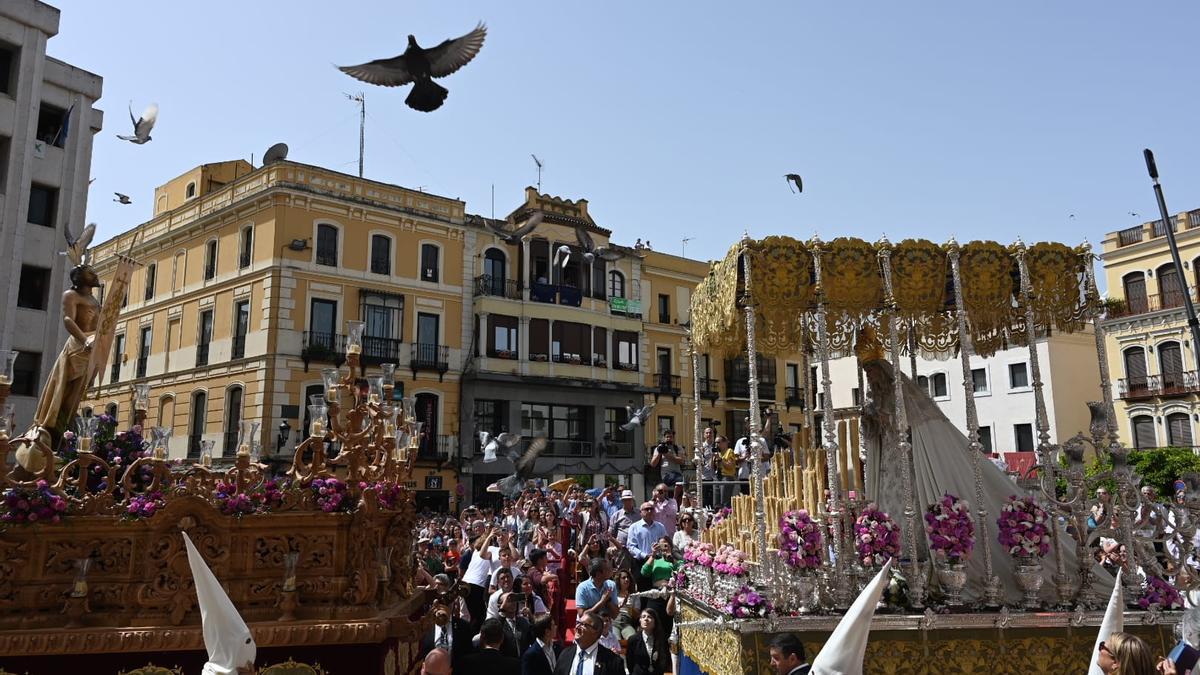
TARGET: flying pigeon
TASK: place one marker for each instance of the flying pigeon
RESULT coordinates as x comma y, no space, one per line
420,66
511,486
77,247
514,237
491,444
794,179
141,125
590,250
637,417
123,199
564,253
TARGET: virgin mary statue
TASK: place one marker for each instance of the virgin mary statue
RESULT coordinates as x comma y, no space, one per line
942,463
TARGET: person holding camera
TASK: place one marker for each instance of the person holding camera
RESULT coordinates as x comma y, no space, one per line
668,459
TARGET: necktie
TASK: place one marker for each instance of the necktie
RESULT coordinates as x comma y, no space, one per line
582,659
443,641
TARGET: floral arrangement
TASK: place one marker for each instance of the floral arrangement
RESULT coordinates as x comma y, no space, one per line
876,537
720,516
39,505
332,495
729,560
799,540
144,505
1024,528
950,528
390,493
679,580
699,553
1159,592
118,448
261,500
747,603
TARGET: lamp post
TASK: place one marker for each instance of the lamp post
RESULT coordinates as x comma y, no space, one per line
285,431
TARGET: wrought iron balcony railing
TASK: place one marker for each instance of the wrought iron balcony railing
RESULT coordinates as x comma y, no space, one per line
1179,383
429,357
559,447
793,396
741,389
1135,305
380,349
487,284
666,383
708,389
321,346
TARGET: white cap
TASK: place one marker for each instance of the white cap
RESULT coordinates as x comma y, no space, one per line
628,494
846,647
1114,621
226,636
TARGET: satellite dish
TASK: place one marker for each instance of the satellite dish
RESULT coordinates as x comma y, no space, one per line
275,153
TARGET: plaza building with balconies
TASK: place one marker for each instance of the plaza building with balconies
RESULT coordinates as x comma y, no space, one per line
247,278
1151,358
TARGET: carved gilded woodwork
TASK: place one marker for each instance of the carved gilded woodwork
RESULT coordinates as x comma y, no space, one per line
151,669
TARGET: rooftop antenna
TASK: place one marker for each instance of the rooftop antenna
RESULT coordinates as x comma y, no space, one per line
539,166
683,253
361,99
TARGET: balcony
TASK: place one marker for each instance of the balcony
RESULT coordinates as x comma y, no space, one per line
708,389
238,348
616,450
569,295
380,350
569,359
668,384
793,396
507,354
141,367
429,357
201,355
560,447
325,347
741,389
438,448
1165,384
499,287
1133,306
630,367
1129,236
539,292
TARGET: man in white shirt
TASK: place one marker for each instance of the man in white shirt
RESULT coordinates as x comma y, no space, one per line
582,657
541,657
504,583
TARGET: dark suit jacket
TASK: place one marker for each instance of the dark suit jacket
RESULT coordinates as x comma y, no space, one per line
489,661
515,645
533,661
607,663
638,659
460,632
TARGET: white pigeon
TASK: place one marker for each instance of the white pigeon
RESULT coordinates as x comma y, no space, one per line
227,638
492,444
564,253
637,417
122,199
141,125
77,247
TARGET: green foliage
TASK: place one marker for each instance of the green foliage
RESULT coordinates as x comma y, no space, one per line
1161,467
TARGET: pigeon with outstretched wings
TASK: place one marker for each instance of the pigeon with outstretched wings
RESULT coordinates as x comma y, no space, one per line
794,179
590,250
563,254
77,247
122,198
492,444
514,236
512,486
637,417
419,65
141,125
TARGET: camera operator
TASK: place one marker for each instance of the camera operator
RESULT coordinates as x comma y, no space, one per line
668,459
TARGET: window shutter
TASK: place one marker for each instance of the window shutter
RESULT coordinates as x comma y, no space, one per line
1135,369
1143,432
1179,430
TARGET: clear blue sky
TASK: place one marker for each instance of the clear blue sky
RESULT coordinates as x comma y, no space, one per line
981,120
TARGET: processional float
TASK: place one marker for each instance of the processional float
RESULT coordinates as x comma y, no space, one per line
883,301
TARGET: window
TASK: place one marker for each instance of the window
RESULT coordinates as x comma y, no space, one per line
1018,376
190,191
384,316
204,338
247,252
381,254
5,146
489,417
143,352
665,423
569,342
539,340
233,421
118,357
625,350
51,122
26,371
503,334
616,284
322,322
427,413
199,423
664,308
613,419
599,346
1170,362
34,291
241,326
151,278
564,425
856,396
979,382
1136,299
429,262
113,411
923,383
327,245
1143,432
1179,430
599,266
179,271
210,260
8,69
493,281
1023,435
938,386
985,439
42,202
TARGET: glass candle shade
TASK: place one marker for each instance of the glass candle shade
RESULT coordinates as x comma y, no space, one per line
289,570
249,436
160,436
332,379
414,440
79,589
7,359
206,448
389,422
354,335
317,413
141,397
384,556
87,432
375,387
389,375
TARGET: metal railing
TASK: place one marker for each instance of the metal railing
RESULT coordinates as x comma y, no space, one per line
632,367
238,348
708,388
569,295
1130,235
509,354
496,286
201,355
741,389
328,258
667,383
438,448
793,396
380,349
1132,306
429,357
1158,230
1164,384
540,292
569,359
321,346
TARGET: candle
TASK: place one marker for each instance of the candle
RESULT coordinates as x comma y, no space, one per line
354,349
289,584
160,452
244,449
85,444
206,459
4,379
318,428
80,589
855,454
374,398
389,429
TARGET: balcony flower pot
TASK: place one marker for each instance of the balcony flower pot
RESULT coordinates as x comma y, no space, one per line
538,357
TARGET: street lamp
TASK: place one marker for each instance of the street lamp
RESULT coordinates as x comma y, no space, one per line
285,430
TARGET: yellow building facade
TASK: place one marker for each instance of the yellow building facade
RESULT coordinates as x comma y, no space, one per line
247,278
1150,355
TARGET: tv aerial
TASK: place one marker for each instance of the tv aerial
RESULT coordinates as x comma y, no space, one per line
539,168
275,153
